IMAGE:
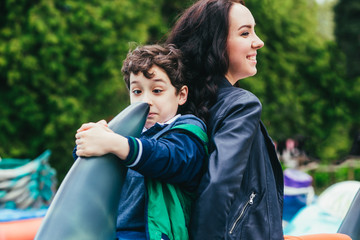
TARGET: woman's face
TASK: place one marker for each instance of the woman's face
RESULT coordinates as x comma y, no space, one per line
242,43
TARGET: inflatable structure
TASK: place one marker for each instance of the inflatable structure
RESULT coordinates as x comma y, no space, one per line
332,209
85,205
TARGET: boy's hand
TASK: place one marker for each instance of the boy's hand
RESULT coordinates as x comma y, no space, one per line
92,139
87,126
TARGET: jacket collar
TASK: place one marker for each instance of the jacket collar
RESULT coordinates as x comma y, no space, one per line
162,125
223,83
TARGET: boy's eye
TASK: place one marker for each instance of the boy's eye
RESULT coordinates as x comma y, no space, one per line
157,90
136,92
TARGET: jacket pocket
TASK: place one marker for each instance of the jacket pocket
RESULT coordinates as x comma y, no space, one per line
242,212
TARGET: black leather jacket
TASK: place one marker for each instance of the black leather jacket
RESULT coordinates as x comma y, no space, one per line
241,194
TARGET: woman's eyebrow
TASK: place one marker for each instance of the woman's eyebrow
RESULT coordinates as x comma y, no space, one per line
246,26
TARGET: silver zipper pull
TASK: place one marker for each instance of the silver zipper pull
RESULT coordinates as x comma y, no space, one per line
252,196
251,201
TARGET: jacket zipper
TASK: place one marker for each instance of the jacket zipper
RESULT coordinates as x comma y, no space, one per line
250,202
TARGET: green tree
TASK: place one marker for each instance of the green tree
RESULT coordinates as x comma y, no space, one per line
347,32
60,66
168,14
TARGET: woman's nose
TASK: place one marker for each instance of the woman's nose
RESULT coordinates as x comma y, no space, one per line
257,43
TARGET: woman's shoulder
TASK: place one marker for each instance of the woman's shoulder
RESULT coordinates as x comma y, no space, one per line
232,97
228,92
236,93
234,103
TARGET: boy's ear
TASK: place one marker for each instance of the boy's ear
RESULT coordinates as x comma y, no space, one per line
183,94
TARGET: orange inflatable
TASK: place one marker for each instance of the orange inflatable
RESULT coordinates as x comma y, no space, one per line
325,236
20,229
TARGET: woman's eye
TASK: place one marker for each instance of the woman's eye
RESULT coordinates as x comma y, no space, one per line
245,34
136,92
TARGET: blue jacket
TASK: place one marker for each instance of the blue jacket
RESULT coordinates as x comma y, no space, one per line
241,194
170,157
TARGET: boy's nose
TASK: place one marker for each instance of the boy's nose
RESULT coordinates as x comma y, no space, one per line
147,99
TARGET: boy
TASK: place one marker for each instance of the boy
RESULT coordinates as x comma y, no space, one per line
166,161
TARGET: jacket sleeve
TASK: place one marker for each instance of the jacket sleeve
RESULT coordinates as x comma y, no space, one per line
231,138
74,153
176,158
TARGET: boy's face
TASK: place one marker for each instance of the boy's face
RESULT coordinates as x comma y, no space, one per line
159,93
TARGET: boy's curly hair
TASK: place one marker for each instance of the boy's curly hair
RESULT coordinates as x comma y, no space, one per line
166,57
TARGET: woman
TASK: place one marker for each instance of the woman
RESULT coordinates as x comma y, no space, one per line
241,193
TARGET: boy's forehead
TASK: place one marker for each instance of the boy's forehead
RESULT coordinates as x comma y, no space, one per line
154,73
136,80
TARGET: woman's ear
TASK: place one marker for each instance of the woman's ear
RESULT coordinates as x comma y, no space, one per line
183,94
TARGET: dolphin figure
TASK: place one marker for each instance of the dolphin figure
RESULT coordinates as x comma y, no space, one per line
86,203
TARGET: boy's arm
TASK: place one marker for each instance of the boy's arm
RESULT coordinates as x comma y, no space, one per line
176,158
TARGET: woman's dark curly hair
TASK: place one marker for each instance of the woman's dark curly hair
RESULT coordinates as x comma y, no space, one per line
201,34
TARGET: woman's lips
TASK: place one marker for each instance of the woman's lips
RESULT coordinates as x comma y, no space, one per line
251,57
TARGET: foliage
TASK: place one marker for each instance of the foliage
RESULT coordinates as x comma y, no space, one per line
347,32
168,14
60,66
327,175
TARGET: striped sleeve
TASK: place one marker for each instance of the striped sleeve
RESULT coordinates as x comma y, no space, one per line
135,152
